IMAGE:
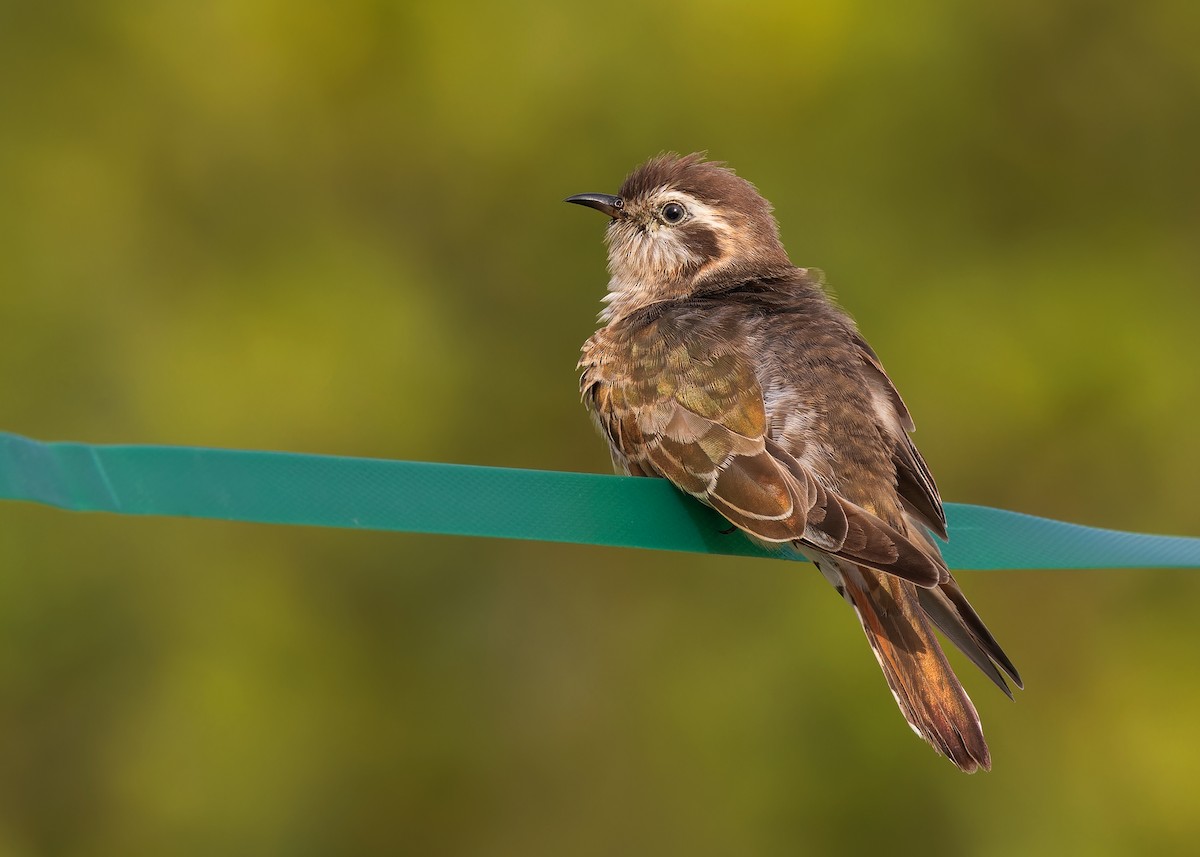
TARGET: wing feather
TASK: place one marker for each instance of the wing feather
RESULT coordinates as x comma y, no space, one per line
701,423
914,482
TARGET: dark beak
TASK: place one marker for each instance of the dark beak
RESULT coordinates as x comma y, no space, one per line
608,204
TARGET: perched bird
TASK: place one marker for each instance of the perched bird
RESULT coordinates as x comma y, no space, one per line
729,371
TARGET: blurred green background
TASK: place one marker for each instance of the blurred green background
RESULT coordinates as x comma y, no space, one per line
338,228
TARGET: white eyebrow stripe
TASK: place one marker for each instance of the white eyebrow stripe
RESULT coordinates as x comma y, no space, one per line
699,211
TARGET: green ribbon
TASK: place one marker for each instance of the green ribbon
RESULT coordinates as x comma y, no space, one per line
453,499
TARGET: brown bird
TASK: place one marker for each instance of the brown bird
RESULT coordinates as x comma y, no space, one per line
727,370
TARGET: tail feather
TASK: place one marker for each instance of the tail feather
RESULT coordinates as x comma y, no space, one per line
953,615
926,689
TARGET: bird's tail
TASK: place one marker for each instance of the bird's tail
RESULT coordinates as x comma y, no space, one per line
929,694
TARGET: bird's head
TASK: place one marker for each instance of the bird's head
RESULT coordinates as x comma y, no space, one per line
679,224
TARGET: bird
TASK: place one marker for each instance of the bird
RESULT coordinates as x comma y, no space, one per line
727,370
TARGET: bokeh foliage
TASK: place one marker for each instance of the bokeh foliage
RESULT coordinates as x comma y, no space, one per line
336,228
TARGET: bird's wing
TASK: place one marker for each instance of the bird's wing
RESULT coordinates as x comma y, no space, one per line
690,409
914,482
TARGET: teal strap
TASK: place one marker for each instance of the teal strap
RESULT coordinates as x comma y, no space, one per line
420,497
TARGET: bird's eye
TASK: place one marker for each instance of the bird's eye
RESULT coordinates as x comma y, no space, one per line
673,213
